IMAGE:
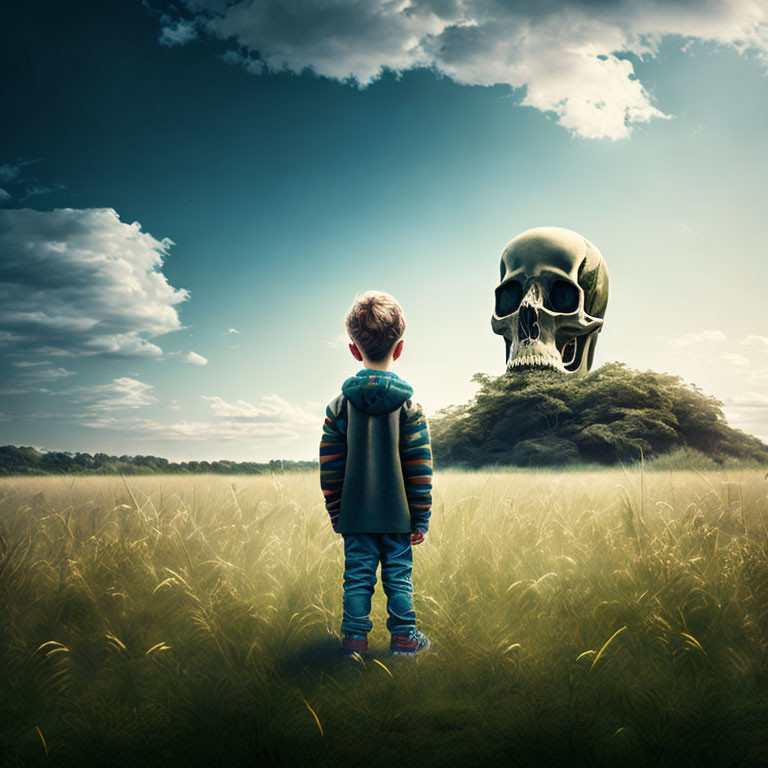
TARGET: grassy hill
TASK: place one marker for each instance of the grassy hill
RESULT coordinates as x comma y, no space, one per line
614,414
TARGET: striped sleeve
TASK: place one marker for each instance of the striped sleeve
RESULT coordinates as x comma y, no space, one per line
416,460
333,457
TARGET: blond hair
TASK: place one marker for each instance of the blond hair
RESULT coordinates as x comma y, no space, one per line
375,322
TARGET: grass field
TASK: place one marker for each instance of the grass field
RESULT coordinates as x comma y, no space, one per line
588,618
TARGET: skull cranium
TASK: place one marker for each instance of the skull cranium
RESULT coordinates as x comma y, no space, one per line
551,300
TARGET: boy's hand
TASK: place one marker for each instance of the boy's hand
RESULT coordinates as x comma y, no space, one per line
417,537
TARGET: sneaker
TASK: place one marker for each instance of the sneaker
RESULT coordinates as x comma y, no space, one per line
409,645
354,644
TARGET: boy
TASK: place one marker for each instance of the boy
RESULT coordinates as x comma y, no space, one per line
376,476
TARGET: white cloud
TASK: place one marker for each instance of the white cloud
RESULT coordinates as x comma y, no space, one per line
21,390
734,359
122,392
271,419
10,171
22,187
194,359
32,373
179,32
232,330
174,405
753,340
81,282
39,189
698,338
563,54
270,408
43,372
250,65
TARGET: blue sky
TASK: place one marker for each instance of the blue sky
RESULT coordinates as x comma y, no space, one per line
267,189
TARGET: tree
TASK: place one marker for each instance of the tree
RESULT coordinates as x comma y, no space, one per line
612,414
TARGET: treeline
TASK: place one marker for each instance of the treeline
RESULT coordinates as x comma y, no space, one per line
29,461
539,418
530,418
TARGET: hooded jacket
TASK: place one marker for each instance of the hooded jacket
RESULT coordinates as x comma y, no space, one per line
375,457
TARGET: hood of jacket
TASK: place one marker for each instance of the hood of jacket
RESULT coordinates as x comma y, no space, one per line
375,391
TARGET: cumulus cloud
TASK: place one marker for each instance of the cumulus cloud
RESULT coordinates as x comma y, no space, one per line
752,340
194,359
178,32
270,408
698,338
120,393
270,419
82,282
569,56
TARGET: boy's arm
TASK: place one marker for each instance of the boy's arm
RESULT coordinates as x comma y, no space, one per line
333,457
416,460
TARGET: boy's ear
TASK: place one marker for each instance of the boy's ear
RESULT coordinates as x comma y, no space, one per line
355,352
398,350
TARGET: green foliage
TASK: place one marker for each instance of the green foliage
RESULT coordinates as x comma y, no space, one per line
28,461
540,418
604,618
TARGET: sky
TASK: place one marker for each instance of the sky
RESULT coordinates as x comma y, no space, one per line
191,195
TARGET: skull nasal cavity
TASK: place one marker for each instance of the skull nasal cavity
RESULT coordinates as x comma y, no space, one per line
528,323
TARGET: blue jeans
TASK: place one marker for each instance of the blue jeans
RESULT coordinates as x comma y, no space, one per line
362,552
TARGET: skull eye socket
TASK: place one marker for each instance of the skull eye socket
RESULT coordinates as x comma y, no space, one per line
508,298
563,296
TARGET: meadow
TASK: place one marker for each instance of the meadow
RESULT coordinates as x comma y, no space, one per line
611,617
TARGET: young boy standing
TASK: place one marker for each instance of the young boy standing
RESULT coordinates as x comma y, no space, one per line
376,476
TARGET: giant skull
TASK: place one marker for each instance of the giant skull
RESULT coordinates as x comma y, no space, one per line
551,300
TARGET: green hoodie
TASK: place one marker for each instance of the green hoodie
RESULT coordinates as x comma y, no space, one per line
376,392
373,498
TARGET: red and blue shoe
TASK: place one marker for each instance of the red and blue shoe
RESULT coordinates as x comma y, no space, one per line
410,644
354,644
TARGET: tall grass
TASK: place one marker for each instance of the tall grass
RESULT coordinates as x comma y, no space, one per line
577,618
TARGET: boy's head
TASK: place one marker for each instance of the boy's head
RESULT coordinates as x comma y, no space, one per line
375,323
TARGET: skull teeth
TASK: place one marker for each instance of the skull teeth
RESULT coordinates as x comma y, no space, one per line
535,361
